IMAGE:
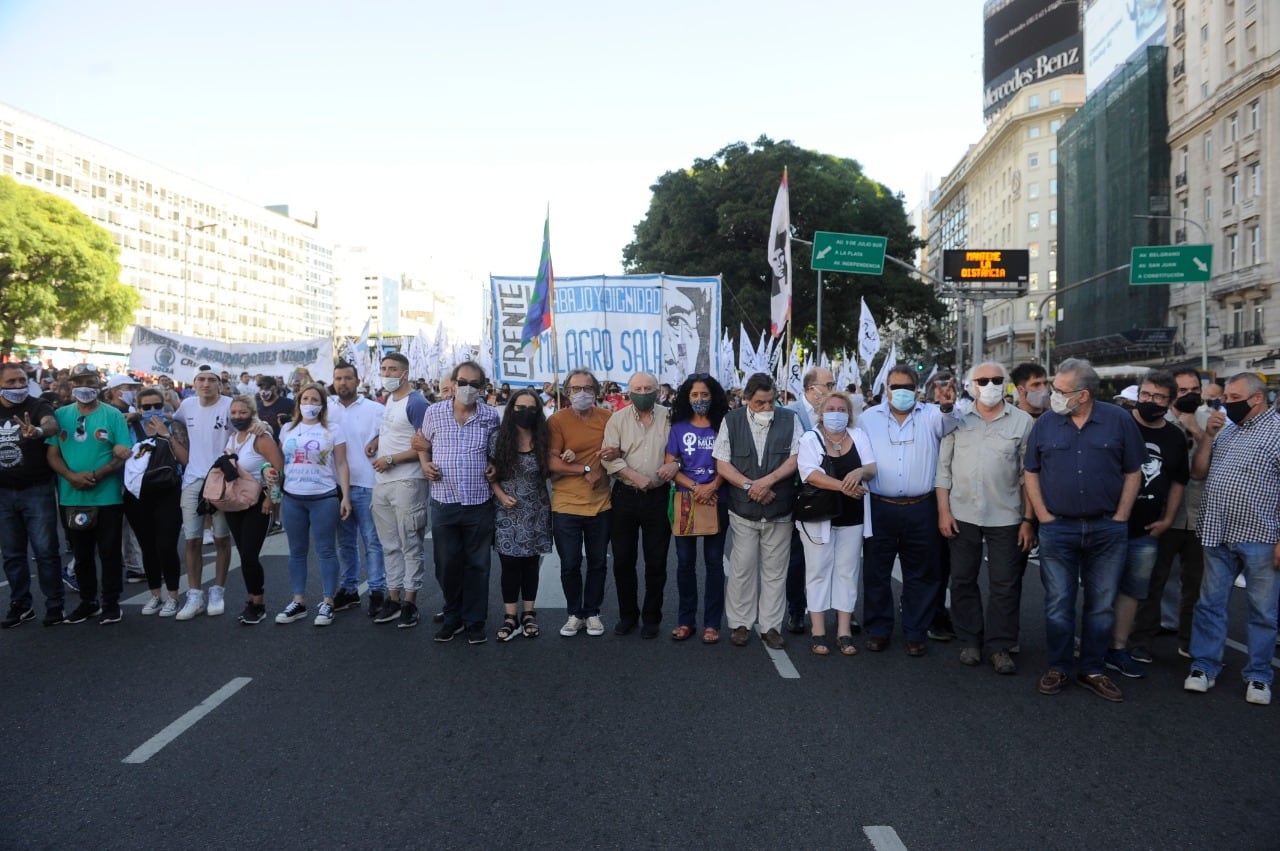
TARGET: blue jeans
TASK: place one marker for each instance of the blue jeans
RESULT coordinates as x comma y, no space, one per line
1075,552
687,575
461,537
357,530
1139,562
313,519
29,516
572,532
909,533
1209,624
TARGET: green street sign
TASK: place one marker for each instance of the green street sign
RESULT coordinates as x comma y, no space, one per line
848,252
1170,264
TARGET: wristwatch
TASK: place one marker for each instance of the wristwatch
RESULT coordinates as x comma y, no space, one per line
586,468
391,460
746,486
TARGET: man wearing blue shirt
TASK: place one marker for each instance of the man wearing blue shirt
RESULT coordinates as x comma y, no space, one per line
1083,472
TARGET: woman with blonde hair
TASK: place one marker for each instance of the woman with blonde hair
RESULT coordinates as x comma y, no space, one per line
257,453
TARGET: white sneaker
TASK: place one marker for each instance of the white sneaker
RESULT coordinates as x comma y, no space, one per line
193,606
1258,693
324,614
572,626
1199,681
595,626
170,607
217,604
208,537
152,606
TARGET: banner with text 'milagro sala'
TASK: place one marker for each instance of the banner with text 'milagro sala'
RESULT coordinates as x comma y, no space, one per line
161,353
615,326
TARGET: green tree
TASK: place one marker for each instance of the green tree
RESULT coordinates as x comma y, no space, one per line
58,270
713,217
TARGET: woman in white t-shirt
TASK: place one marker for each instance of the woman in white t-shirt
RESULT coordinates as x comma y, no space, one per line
316,495
254,448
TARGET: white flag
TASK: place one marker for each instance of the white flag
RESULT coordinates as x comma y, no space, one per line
780,260
728,372
848,371
931,374
746,352
795,379
868,335
889,363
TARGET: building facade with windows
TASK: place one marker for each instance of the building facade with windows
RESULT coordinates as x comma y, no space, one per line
1224,139
1004,195
204,261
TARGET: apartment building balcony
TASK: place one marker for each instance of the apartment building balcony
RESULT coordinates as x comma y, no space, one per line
1242,339
1180,180
1235,281
1180,70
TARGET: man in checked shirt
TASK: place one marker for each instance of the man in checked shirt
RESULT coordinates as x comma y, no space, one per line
1240,532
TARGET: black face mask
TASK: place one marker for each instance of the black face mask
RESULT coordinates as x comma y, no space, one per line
1187,404
1237,411
525,418
241,424
1151,412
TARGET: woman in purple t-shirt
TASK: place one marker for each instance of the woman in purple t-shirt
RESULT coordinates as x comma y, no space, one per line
699,406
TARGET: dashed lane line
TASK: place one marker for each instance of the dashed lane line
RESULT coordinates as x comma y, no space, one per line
186,721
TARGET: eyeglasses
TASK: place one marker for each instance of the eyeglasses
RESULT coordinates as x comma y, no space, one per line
1144,396
478,383
984,381
902,441
579,388
159,406
902,387
700,376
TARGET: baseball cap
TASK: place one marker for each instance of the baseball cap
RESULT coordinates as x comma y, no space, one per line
122,380
1129,393
83,370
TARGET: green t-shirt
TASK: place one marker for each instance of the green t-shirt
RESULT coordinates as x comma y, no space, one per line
86,442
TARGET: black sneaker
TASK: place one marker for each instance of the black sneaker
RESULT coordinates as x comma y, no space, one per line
408,616
111,614
133,577
53,617
81,613
253,613
17,614
476,634
448,631
345,599
376,599
438,617
390,611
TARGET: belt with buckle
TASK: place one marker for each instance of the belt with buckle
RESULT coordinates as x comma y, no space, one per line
902,500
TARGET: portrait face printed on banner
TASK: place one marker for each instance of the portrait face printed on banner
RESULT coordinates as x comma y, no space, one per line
686,333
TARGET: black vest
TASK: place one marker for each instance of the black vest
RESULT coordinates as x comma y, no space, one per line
777,449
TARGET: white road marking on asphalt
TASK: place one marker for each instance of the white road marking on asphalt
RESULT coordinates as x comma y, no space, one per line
781,660
550,591
1236,645
152,746
884,838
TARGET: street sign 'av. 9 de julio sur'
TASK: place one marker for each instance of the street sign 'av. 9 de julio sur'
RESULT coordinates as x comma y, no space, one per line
1006,268
848,252
1170,264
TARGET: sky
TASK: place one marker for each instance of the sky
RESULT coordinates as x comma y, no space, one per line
439,134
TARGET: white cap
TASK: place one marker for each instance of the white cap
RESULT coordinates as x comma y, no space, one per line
1130,393
122,380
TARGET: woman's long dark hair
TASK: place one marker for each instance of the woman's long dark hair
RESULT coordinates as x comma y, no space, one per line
681,410
507,449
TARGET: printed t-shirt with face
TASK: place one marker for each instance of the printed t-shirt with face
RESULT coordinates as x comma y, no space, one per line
87,447
1165,464
573,494
23,462
309,465
692,445
207,431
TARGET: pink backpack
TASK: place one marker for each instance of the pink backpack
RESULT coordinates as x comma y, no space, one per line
230,487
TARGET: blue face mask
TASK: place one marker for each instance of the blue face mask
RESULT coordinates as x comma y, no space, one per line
835,420
152,415
902,400
701,407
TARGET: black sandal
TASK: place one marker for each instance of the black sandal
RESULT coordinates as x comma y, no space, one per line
529,624
509,629
819,646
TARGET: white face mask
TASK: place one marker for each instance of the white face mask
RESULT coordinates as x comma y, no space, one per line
991,394
835,420
467,396
84,395
1060,403
310,412
762,418
127,396
582,401
391,385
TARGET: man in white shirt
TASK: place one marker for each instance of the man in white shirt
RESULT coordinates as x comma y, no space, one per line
205,415
360,419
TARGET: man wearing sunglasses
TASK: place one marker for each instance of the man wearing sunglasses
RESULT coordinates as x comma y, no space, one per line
461,433
981,504
28,513
905,435
88,453
1083,471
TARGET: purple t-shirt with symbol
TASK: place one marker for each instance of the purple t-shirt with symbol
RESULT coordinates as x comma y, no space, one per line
692,445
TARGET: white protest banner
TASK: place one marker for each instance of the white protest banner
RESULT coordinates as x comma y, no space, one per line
614,326
161,353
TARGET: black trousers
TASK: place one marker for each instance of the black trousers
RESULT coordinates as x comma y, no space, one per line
156,522
104,540
249,529
639,515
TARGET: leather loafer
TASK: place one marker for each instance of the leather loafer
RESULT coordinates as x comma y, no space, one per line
877,643
1101,685
739,636
1052,682
773,639
624,628
795,624
915,648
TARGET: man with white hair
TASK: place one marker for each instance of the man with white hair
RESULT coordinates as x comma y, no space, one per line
981,502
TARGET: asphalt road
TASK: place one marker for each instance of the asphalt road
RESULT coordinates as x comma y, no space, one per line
358,736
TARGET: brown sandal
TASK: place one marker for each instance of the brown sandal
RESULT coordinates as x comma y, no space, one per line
819,646
682,633
845,643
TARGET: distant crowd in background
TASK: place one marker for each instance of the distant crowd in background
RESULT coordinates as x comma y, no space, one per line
814,500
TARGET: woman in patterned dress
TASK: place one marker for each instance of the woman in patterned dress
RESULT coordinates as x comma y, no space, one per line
523,515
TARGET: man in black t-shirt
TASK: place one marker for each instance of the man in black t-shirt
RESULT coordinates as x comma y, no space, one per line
28,510
1164,475
273,409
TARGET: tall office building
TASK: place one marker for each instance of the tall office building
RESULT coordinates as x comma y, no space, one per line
205,262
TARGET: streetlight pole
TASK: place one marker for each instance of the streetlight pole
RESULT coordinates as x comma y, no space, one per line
186,275
1204,287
